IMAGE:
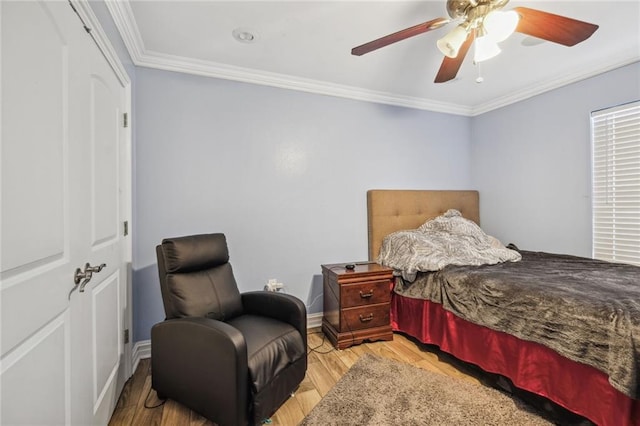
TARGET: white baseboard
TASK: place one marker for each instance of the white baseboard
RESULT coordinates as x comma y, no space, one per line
314,320
142,349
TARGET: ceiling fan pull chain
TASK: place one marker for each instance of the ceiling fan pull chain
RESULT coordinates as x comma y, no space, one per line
479,79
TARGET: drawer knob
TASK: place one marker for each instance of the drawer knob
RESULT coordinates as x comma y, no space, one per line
367,318
366,295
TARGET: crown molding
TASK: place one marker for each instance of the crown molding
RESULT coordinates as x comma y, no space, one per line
127,26
227,72
546,86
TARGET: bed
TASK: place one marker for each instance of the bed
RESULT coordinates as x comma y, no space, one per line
534,367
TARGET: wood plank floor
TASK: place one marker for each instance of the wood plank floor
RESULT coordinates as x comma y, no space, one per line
325,367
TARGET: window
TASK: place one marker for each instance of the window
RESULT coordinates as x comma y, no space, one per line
616,183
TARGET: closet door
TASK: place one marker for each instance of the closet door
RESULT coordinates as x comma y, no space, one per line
61,138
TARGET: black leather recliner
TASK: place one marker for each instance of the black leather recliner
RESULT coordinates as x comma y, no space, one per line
234,358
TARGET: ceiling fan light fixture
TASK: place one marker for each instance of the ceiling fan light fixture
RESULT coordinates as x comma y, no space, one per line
500,25
483,24
485,48
450,44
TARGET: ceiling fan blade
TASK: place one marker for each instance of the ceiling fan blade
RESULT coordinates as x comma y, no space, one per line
555,28
450,66
398,36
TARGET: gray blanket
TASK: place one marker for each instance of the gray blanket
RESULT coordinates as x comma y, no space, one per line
448,239
586,310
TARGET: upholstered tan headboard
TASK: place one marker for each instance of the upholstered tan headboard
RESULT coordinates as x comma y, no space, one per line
394,210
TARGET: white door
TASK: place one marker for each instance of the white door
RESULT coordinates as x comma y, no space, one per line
61,157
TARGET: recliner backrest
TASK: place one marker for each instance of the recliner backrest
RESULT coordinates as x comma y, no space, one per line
196,278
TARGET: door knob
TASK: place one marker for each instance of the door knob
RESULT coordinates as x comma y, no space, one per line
88,267
81,278
88,273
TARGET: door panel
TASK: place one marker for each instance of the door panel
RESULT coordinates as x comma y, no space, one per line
35,378
100,306
34,212
106,324
105,126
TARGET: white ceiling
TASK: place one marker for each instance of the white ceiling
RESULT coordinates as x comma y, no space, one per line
306,45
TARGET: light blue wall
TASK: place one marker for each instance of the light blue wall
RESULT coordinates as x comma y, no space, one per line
531,163
283,174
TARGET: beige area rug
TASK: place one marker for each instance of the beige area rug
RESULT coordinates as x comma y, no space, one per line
380,391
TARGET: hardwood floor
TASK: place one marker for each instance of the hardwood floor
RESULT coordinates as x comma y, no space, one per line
325,367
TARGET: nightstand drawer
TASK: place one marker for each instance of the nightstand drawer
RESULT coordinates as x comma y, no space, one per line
368,293
365,317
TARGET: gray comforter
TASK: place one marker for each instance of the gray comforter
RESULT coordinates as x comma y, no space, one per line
448,239
586,310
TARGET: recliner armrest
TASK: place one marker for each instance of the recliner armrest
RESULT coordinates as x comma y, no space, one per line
280,306
202,363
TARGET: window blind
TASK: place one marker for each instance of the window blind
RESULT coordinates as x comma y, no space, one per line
616,183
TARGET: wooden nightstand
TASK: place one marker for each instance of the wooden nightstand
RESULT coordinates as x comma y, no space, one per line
356,303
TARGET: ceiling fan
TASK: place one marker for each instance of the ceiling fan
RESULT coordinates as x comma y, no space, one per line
484,22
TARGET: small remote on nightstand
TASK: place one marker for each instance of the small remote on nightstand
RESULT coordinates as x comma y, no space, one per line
350,266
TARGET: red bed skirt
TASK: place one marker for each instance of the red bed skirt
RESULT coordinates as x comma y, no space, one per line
578,387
